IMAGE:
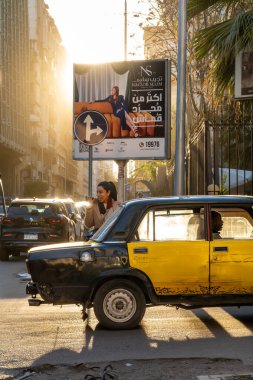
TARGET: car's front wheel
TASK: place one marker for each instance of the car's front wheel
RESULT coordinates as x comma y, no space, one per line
119,305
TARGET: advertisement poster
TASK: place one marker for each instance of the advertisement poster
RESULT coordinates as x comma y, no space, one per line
122,110
244,75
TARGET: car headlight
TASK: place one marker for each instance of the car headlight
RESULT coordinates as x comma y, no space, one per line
87,256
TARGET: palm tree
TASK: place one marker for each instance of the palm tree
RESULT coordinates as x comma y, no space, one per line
222,40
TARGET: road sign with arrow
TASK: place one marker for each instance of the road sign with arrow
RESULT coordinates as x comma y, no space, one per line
91,127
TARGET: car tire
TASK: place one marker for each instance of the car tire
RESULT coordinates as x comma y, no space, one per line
4,254
119,305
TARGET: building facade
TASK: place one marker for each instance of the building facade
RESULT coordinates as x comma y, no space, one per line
15,134
35,107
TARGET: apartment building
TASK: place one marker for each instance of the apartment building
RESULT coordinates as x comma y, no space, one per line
35,110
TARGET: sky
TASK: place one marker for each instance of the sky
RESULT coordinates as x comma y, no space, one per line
93,30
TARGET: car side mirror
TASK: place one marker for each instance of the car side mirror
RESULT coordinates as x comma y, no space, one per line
88,233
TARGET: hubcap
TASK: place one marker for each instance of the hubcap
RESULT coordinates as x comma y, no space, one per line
119,305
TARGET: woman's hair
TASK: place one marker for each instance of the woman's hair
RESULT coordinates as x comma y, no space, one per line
117,90
113,194
109,186
105,185
116,93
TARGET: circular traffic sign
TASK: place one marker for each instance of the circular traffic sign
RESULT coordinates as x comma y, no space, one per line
91,127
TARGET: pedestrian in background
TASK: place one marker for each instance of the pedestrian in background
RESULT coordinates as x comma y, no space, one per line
101,207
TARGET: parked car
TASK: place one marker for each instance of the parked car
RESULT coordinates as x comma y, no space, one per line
33,222
75,215
81,206
153,251
2,212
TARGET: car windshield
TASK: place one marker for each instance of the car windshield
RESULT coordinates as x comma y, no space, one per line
32,209
101,233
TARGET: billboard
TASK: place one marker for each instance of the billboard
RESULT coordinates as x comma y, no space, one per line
244,75
122,109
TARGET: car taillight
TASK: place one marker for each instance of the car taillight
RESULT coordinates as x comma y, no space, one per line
8,220
53,235
8,234
55,221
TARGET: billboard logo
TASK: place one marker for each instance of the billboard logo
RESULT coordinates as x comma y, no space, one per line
146,70
141,145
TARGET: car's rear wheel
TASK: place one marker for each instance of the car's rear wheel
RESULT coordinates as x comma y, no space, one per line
4,254
119,305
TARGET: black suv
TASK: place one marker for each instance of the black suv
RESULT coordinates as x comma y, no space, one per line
34,222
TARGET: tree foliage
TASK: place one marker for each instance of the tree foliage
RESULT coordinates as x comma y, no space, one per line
221,40
149,171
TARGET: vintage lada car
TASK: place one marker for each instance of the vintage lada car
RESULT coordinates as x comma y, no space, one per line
190,252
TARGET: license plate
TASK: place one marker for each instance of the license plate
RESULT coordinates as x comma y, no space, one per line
31,237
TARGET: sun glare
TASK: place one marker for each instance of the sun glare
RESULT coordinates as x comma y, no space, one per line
92,31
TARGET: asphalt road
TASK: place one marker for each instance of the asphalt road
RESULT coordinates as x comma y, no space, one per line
32,336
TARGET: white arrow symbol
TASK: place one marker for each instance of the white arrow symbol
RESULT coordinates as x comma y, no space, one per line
89,131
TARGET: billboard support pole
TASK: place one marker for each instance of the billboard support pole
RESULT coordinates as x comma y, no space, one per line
90,170
122,163
179,182
121,179
125,31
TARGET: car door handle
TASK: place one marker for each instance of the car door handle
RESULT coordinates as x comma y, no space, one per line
140,250
220,249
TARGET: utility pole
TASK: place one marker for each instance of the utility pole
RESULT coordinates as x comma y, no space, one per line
122,163
179,181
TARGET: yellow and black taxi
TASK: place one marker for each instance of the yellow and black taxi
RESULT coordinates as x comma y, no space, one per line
190,252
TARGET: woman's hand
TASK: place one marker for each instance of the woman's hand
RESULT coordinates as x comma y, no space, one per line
90,200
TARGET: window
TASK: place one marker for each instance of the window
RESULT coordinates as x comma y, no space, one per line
237,223
30,209
145,230
172,224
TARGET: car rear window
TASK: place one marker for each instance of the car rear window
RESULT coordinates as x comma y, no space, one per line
46,210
